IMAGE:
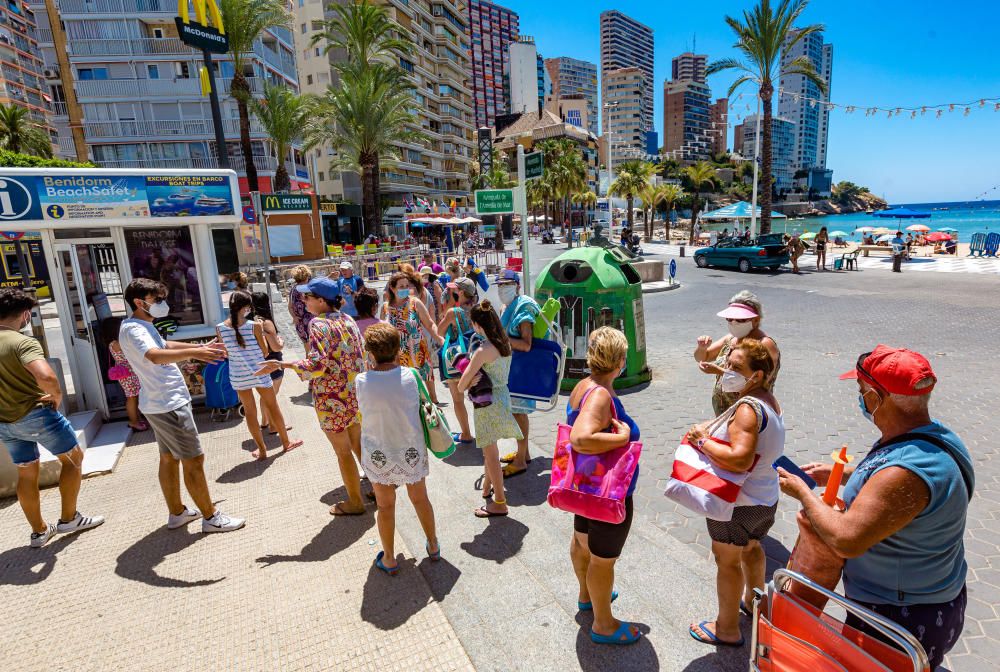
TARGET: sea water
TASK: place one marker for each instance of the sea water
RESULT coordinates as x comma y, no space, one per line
967,218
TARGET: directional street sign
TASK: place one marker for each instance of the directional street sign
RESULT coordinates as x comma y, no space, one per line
495,201
673,268
534,165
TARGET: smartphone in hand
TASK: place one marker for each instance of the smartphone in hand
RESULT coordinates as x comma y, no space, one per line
793,468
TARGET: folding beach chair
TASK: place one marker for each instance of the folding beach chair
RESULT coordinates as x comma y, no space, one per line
977,245
791,635
538,373
992,245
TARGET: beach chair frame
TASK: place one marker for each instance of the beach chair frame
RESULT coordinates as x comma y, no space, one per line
549,403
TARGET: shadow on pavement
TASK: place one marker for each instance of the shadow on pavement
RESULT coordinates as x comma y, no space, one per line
251,468
304,399
724,658
17,566
336,536
441,576
500,540
531,488
467,456
638,657
776,556
389,601
138,562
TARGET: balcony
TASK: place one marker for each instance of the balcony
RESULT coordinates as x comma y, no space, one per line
184,128
119,8
132,89
146,46
264,164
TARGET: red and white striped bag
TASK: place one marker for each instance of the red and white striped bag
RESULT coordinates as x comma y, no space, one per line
699,484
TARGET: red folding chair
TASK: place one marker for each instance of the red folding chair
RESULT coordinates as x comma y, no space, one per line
791,635
515,263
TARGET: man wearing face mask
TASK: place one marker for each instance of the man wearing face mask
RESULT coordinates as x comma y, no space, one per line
29,401
743,317
165,401
905,506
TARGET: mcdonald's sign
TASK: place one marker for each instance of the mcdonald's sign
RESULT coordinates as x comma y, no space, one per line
286,202
206,30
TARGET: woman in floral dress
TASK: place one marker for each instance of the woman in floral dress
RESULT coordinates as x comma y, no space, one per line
336,357
297,305
408,313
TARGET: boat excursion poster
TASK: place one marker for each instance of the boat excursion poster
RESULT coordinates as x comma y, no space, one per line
189,196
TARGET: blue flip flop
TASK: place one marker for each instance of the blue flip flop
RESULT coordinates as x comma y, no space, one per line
391,571
436,555
713,639
457,438
621,636
589,606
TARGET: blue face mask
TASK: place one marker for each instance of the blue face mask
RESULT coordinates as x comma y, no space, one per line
403,293
864,411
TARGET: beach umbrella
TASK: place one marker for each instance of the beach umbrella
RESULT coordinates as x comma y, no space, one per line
808,236
948,229
918,228
938,237
865,229
840,234
880,230
886,238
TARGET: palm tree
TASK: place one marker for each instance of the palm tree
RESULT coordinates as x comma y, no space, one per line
20,133
633,180
283,115
245,22
585,199
701,174
761,37
366,116
667,195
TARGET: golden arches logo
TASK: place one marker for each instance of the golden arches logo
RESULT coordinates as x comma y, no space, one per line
272,203
206,12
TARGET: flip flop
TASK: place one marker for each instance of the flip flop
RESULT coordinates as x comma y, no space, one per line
293,445
489,495
712,638
338,510
510,472
589,606
743,608
483,512
457,438
621,637
509,457
391,571
436,555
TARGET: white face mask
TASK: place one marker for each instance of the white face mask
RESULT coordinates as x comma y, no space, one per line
157,310
733,382
740,329
507,293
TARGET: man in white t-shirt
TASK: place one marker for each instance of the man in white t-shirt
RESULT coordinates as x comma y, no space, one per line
165,401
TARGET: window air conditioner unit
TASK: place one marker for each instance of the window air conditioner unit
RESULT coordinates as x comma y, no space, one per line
51,73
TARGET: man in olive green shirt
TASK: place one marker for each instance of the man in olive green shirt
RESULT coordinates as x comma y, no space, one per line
29,397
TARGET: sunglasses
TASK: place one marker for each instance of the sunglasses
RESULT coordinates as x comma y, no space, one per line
863,373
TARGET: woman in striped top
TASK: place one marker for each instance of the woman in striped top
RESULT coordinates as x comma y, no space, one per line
244,341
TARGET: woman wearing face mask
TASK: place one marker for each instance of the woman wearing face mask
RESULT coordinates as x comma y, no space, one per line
750,441
403,310
743,315
459,299
246,344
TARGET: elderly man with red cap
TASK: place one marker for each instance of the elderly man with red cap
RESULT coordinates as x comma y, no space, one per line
905,506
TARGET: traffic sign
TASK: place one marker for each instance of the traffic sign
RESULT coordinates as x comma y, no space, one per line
534,165
495,201
673,268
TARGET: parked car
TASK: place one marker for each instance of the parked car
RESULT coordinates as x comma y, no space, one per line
768,251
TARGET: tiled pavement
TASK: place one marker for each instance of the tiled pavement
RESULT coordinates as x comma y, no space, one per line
295,589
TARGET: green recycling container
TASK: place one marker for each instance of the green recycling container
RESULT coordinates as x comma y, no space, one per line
596,286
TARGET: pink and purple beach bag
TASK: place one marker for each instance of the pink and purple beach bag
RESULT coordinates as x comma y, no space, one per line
592,486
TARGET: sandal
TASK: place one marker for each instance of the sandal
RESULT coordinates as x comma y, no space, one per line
713,639
391,571
589,606
509,457
622,635
483,512
510,472
436,555
457,438
339,510
141,427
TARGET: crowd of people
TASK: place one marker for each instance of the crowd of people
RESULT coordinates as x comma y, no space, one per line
372,361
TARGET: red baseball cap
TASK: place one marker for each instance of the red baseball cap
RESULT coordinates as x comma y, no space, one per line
895,370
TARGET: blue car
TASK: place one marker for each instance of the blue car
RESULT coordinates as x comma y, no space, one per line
768,251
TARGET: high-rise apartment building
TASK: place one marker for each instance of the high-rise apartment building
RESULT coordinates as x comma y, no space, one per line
544,82
626,127
571,77
523,77
438,168
718,116
491,29
812,118
138,89
689,66
626,43
22,80
783,133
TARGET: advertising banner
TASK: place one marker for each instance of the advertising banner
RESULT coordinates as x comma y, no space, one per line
92,197
167,255
189,196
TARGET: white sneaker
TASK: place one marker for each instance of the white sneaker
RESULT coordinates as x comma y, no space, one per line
182,518
220,522
79,523
39,539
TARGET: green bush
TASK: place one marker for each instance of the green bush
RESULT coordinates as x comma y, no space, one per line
10,159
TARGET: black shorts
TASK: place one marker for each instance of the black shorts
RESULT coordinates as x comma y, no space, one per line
749,522
276,356
605,540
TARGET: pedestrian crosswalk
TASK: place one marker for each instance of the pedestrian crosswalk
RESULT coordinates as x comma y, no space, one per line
935,264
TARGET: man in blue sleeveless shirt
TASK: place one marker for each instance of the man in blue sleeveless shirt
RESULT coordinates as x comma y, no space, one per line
906,503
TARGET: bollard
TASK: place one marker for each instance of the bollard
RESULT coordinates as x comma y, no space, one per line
682,250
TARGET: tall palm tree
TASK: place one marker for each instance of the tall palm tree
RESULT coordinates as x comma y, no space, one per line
586,200
283,115
632,180
245,22
20,133
700,175
667,195
760,38
366,116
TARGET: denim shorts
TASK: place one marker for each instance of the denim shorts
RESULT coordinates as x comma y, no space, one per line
45,426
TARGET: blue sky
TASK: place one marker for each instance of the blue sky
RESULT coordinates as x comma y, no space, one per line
888,53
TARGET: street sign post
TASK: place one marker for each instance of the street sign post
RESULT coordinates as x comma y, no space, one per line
206,33
495,201
673,270
534,165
